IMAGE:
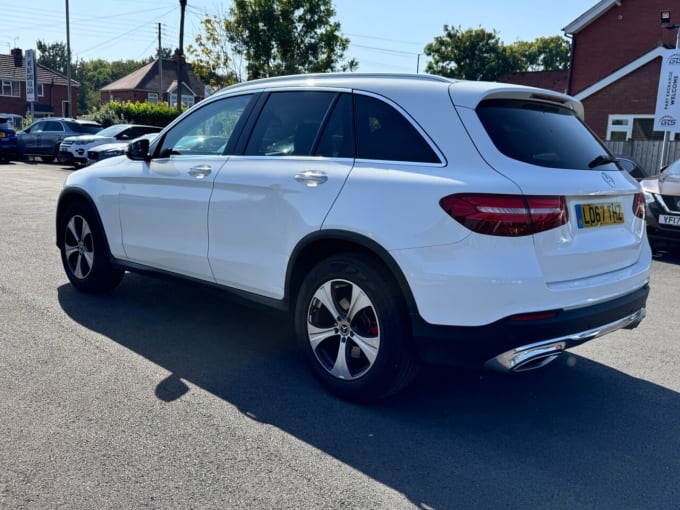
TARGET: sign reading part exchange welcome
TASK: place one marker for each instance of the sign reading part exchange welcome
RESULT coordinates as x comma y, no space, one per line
667,114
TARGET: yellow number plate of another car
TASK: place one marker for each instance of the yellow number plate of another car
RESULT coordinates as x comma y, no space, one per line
2,134
598,215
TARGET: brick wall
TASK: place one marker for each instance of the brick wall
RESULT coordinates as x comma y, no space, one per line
635,93
618,37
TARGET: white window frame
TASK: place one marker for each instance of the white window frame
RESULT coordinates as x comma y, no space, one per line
187,100
14,88
41,90
152,97
618,123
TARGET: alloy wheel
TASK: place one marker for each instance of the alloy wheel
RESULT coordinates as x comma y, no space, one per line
343,329
79,247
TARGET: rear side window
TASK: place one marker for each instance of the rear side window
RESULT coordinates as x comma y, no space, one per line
337,138
542,134
90,129
289,123
52,125
384,133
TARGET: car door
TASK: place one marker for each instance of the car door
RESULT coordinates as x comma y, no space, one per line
28,141
294,164
51,134
164,207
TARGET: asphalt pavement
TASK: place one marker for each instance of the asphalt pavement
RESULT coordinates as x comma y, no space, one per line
166,394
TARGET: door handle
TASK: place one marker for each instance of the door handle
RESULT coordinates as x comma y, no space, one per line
311,178
200,171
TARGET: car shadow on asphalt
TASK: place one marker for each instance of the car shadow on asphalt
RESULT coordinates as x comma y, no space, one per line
577,434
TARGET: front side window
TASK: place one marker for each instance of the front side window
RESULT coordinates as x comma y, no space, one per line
289,123
206,131
542,134
383,133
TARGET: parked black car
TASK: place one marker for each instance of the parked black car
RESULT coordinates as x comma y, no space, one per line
662,194
632,167
44,136
8,141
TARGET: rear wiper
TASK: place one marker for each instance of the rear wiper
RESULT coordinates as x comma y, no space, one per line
601,160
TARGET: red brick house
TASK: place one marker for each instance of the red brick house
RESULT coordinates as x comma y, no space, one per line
52,89
156,83
551,80
616,50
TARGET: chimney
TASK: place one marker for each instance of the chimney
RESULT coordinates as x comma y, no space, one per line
18,57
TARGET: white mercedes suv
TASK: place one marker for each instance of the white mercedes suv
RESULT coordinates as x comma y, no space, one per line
400,219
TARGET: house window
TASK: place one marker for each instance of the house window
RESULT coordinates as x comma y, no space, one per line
41,90
187,100
152,97
11,88
632,127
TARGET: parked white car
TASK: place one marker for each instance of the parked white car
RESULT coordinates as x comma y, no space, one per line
400,220
73,149
111,150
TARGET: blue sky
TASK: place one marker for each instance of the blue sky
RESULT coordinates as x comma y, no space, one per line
386,35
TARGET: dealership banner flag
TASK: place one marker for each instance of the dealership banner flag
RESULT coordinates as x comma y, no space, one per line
667,114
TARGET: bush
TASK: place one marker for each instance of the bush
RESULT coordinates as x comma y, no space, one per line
117,112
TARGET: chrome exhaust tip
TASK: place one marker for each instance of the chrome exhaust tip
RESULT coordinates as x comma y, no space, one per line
529,357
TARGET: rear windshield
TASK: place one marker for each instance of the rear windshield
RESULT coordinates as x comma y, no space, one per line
542,134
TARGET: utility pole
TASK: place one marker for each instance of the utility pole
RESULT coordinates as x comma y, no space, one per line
160,66
180,57
68,65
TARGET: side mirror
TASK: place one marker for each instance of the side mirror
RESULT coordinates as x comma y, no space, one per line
138,150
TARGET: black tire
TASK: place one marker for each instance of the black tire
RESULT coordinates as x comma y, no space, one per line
47,159
360,354
84,251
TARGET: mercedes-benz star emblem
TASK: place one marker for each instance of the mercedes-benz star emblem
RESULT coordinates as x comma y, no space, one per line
608,179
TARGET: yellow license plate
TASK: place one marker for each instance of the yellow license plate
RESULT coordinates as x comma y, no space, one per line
598,215
2,134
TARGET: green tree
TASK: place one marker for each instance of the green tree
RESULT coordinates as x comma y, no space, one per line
213,58
544,54
91,76
477,54
53,56
272,37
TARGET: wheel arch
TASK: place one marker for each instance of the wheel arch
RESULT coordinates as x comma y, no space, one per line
67,198
322,244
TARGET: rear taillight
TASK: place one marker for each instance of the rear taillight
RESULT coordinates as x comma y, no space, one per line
506,215
639,205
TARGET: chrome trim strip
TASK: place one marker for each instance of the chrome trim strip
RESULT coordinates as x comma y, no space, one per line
539,354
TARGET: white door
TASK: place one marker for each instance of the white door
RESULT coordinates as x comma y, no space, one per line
164,208
296,162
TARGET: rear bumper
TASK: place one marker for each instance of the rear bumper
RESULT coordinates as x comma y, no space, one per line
501,344
8,152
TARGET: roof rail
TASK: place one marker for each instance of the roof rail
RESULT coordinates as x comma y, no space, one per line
330,76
